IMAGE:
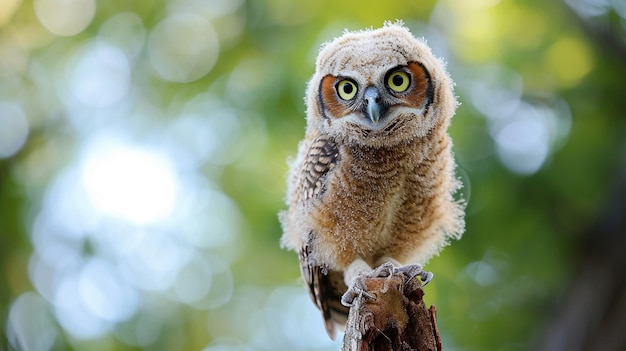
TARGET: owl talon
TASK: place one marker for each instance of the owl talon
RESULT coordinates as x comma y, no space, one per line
413,270
384,270
426,277
358,289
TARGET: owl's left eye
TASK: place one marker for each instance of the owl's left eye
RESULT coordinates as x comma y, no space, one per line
346,89
398,81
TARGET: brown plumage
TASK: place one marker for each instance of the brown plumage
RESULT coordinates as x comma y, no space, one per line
374,178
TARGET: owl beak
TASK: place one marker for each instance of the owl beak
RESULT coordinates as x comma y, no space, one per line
372,106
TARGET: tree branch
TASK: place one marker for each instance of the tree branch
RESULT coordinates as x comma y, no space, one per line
396,318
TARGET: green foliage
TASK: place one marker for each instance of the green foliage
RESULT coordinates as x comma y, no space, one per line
537,135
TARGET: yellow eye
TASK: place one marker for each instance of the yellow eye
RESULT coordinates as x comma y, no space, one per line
346,89
398,81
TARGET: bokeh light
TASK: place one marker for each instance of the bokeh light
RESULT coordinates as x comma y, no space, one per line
570,59
101,75
65,17
183,47
13,129
126,32
30,324
129,183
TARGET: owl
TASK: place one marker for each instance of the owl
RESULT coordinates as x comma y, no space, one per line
373,181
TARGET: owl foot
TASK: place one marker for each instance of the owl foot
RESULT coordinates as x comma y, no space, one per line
413,270
358,288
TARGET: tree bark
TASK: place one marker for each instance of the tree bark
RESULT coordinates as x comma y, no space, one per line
393,317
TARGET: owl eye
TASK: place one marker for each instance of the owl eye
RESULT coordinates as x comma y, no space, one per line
398,81
346,89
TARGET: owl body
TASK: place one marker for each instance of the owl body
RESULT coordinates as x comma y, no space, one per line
374,177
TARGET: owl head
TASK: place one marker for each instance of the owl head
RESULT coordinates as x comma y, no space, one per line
379,87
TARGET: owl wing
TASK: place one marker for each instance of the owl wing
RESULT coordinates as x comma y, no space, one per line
325,286
321,157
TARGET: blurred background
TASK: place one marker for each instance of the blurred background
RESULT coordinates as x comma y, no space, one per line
143,149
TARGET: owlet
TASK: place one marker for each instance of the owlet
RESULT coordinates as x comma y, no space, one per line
373,181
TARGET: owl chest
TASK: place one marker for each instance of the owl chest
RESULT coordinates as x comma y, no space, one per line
365,197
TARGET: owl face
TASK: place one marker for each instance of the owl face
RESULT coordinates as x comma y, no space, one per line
372,102
378,87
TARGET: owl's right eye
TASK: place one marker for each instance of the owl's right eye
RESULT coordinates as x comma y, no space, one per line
346,89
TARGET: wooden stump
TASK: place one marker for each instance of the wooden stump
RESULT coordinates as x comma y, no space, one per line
396,318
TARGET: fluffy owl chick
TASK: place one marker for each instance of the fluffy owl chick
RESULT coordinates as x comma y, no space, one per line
373,181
